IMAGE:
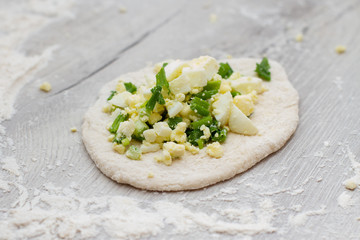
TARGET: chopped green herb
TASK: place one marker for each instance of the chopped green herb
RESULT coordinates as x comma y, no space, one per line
200,143
193,136
130,87
172,122
140,127
125,142
263,68
115,126
203,121
155,97
225,70
219,135
161,78
213,85
205,95
209,90
235,93
133,153
111,95
200,106
119,137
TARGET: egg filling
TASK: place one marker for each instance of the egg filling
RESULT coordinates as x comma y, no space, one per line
185,106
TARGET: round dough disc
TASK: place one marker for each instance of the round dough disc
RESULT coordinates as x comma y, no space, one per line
276,117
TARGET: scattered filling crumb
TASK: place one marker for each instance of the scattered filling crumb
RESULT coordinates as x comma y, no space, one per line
350,184
123,10
186,106
45,86
73,129
340,49
299,37
213,18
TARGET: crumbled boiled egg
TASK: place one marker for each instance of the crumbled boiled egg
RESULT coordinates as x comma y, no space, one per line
178,134
221,107
245,103
107,108
111,137
180,97
162,129
239,123
225,87
132,100
174,69
120,87
45,86
206,132
246,85
119,148
215,150
154,117
200,71
186,110
340,49
299,37
147,147
209,64
150,135
175,150
127,128
173,107
120,99
191,148
164,158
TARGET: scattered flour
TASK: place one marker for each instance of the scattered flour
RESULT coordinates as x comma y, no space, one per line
9,164
338,82
301,218
355,180
18,21
61,213
52,212
345,200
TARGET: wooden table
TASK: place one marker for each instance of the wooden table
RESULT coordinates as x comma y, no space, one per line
101,43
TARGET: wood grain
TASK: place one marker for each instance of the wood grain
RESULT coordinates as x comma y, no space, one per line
100,44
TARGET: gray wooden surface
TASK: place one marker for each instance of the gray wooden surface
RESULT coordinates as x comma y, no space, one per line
100,43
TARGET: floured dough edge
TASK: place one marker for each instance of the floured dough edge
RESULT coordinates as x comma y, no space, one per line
276,117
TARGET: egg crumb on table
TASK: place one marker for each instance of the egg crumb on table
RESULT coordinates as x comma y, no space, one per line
45,86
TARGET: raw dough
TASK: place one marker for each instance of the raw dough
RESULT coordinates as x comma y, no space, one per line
276,117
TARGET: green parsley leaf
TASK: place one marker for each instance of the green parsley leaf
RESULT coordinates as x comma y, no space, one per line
161,78
193,136
130,87
219,135
115,125
207,121
111,95
225,70
212,85
235,93
200,106
155,97
172,122
263,68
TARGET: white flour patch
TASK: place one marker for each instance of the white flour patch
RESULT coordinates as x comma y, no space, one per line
301,218
61,213
338,82
345,200
355,166
9,164
18,21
